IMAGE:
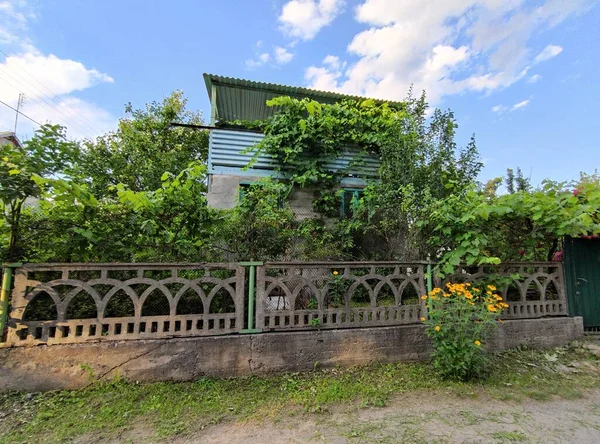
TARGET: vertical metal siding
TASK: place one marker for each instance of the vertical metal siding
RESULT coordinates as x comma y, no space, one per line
582,270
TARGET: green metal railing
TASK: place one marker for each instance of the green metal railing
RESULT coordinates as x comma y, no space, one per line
251,295
7,276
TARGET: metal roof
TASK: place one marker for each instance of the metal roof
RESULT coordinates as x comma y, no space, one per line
239,99
12,136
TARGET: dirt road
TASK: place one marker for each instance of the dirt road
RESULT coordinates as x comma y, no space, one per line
431,419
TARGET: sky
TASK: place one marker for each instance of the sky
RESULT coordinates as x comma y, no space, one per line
520,75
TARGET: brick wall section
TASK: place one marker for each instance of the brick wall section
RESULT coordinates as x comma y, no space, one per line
54,367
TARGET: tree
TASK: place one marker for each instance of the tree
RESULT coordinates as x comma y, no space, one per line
144,146
25,173
420,163
476,228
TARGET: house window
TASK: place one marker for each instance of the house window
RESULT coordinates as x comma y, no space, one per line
349,202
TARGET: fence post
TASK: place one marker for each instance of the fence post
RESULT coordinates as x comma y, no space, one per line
251,294
7,275
429,278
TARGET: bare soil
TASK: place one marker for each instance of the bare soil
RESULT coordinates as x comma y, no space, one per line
438,418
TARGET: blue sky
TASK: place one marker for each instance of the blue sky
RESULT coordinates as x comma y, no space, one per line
521,75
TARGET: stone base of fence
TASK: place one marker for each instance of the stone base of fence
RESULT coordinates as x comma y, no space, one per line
40,368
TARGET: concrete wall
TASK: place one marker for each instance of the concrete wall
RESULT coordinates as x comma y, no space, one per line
64,366
223,192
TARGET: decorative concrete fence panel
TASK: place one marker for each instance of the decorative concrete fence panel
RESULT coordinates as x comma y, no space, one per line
532,289
66,303
292,295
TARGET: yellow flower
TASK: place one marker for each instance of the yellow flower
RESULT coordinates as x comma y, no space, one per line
492,308
477,343
447,295
475,289
422,319
491,287
424,297
468,284
335,273
438,328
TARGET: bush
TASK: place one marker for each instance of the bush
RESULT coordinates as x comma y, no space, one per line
460,319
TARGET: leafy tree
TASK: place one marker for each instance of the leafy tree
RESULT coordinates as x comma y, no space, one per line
47,155
174,221
261,226
420,162
144,146
476,228
516,182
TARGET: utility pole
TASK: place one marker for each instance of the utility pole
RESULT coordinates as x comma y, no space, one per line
19,103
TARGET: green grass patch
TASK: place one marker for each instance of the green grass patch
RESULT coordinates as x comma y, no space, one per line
509,436
105,410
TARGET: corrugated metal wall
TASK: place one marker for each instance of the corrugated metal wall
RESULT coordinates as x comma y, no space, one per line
226,156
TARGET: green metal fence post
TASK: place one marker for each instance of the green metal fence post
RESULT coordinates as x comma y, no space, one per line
429,280
251,296
7,275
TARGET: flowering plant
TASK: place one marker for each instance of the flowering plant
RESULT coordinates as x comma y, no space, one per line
460,319
337,288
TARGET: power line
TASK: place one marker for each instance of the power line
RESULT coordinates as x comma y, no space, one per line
52,94
17,111
53,110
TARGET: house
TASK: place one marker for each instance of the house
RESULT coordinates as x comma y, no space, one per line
230,152
7,137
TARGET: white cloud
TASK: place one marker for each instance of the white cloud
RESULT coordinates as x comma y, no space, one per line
534,78
548,52
443,46
520,105
501,109
47,81
282,55
332,61
279,56
304,19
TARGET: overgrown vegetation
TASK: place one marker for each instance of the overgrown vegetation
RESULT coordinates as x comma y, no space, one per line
107,410
139,193
460,318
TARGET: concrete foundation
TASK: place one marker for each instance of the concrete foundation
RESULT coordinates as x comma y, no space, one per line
41,368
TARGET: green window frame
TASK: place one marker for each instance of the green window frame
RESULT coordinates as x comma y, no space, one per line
349,201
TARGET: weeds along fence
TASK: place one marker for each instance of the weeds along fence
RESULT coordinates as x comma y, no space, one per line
72,303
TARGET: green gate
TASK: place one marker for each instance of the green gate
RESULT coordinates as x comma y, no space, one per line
582,273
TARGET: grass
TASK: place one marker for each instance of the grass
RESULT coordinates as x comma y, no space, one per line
105,410
509,436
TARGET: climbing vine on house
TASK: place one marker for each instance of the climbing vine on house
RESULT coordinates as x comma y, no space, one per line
419,160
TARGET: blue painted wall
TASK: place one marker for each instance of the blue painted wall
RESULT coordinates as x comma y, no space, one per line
226,157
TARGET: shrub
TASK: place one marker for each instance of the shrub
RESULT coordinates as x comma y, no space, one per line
460,319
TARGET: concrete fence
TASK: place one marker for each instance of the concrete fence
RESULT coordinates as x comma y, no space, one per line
78,303
155,322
